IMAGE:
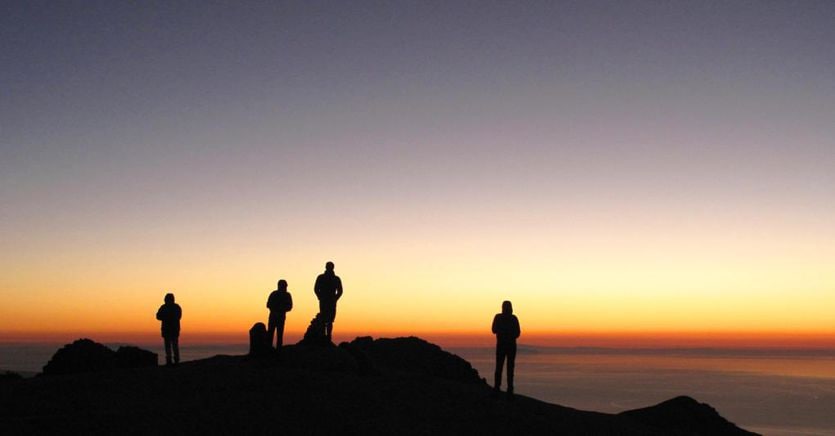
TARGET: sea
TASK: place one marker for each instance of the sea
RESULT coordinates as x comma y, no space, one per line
768,391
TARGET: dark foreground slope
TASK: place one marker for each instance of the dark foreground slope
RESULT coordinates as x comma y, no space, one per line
394,386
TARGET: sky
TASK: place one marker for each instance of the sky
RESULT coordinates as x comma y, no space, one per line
618,167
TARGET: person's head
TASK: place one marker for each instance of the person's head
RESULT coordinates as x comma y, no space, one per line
282,285
507,308
329,266
169,298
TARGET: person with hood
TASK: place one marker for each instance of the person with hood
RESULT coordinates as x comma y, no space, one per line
328,290
170,314
506,329
279,302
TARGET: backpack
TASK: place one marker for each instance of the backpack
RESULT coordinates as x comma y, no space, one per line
259,341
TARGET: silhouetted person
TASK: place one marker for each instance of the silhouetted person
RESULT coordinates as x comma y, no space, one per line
328,289
170,314
280,302
506,329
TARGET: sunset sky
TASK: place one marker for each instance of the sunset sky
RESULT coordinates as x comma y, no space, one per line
613,168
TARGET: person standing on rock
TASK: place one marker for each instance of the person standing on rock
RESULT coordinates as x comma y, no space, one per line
170,314
506,329
280,302
328,289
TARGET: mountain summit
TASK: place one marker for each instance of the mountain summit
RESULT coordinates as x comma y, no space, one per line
403,386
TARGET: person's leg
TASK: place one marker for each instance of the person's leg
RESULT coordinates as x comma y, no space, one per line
271,327
511,366
167,350
175,345
279,329
329,315
332,319
500,356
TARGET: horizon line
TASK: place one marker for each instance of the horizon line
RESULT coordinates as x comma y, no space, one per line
783,339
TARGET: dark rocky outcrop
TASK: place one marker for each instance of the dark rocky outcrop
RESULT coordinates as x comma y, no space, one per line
403,386
85,355
315,333
411,354
134,357
683,415
320,357
365,365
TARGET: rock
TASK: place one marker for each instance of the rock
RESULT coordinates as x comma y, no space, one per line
315,333
686,415
412,355
259,341
365,366
320,358
366,356
134,357
85,355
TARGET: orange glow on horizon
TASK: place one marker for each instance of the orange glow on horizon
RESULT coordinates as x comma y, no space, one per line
705,339
441,279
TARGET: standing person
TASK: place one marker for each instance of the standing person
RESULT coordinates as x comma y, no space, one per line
170,314
280,302
506,329
328,289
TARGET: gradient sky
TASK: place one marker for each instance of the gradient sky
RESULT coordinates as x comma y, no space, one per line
608,166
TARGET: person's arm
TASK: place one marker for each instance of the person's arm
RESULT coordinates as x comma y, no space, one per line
516,329
316,287
338,288
159,313
495,324
179,312
289,302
